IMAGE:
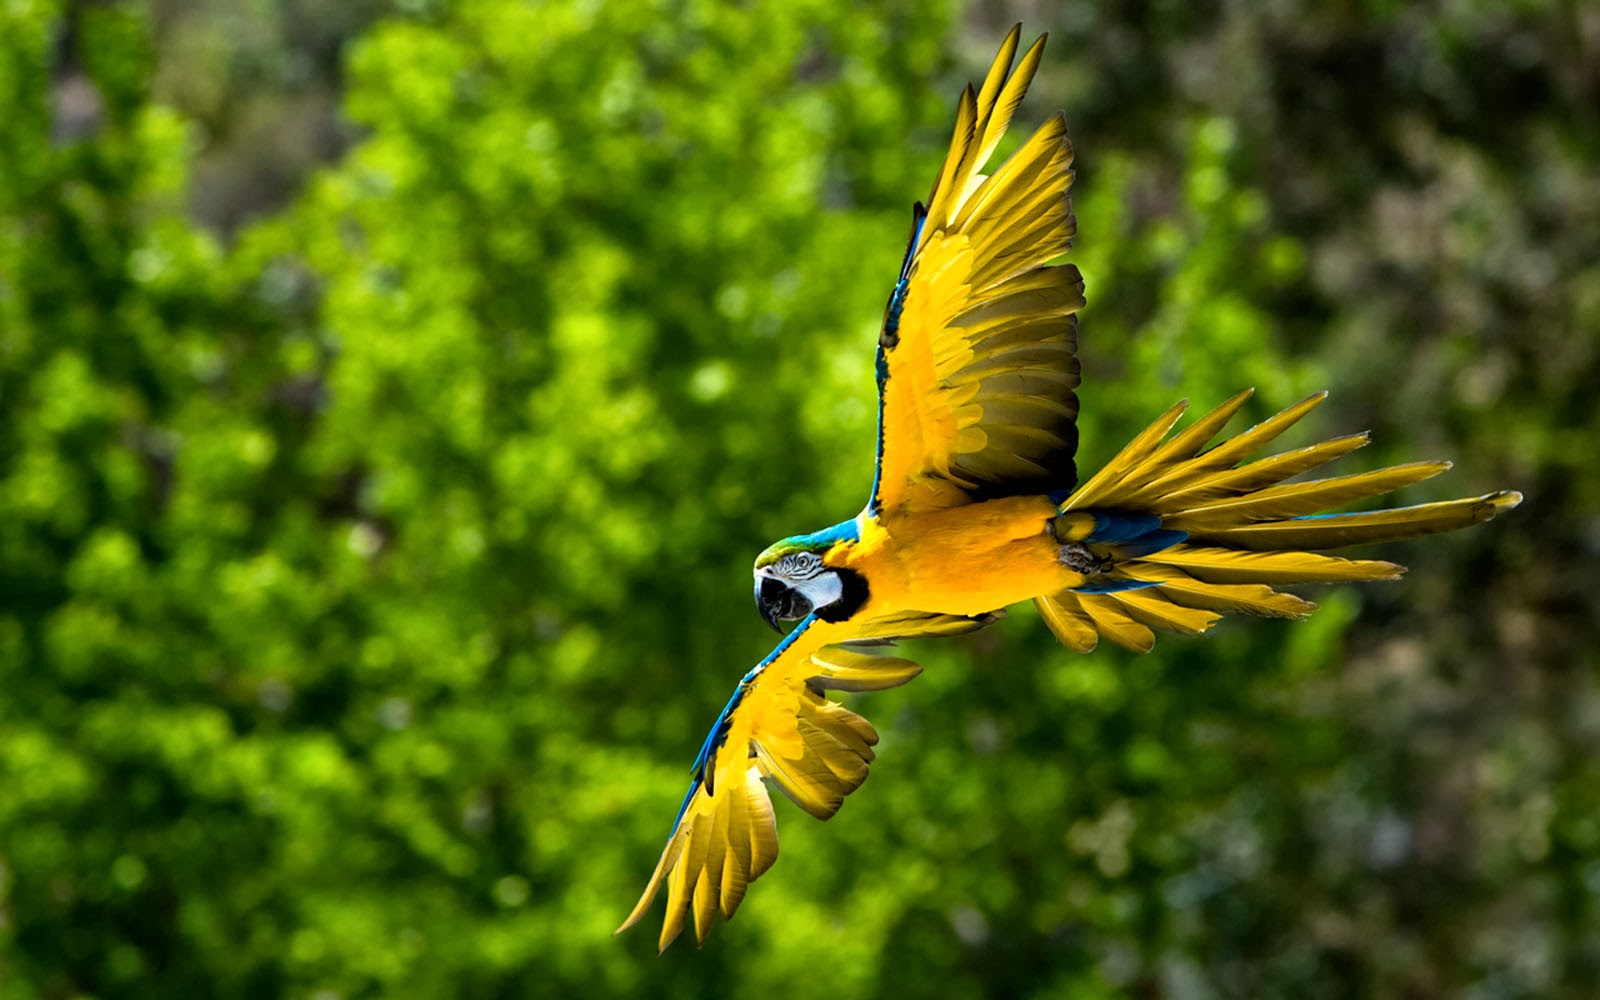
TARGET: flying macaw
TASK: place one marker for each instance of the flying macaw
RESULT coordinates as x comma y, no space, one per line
974,508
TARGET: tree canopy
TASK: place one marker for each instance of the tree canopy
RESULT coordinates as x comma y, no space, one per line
378,492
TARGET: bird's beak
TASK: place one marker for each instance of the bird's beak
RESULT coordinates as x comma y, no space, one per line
770,598
779,602
768,594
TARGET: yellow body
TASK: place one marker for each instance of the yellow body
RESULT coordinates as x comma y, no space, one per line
958,560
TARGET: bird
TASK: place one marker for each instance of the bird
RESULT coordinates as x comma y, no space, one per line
975,506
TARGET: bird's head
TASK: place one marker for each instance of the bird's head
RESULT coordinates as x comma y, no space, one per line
794,578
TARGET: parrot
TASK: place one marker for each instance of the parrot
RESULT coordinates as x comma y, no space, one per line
976,506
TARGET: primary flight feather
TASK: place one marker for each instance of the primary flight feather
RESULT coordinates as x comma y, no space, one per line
975,506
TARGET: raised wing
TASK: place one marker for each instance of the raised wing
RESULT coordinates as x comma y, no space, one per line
778,725
976,364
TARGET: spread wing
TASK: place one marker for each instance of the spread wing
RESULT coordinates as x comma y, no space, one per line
976,364
779,725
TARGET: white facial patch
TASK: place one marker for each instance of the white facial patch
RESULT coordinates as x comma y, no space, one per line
821,590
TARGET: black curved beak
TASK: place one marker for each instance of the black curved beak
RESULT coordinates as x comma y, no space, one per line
779,602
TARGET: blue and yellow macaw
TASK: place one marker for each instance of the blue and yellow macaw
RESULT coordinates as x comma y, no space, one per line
974,509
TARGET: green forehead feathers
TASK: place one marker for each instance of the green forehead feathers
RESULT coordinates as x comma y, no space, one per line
818,542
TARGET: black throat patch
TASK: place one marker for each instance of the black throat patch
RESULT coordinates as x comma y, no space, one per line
854,594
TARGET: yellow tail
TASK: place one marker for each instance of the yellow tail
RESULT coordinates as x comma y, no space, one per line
1248,530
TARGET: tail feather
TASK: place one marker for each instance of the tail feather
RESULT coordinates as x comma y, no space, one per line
1261,473
1237,598
1188,442
1112,620
1221,532
1157,610
1066,618
1179,603
1198,468
1333,530
1125,465
1219,565
1292,500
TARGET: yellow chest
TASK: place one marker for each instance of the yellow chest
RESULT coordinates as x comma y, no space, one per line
963,560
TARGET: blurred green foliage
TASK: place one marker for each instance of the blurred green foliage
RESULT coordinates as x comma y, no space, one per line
373,564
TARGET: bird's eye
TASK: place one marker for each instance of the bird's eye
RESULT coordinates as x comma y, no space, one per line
799,564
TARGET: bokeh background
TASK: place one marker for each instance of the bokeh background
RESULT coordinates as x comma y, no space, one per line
393,396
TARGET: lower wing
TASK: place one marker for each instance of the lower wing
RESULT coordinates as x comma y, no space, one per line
779,725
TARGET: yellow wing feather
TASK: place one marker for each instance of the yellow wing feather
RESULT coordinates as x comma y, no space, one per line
976,359
780,727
